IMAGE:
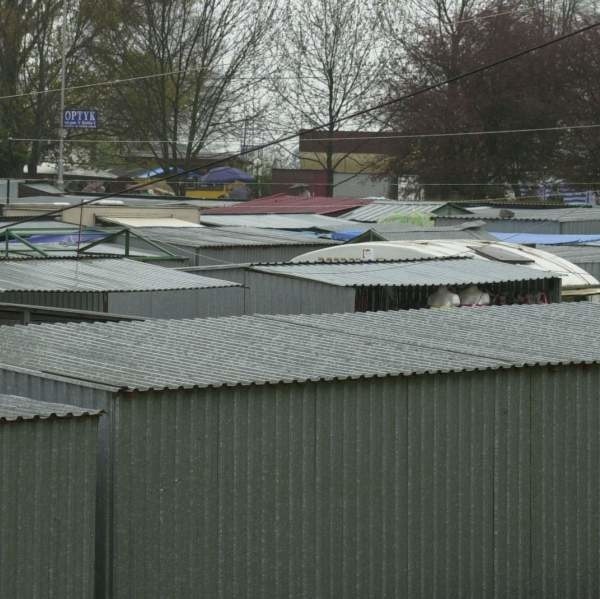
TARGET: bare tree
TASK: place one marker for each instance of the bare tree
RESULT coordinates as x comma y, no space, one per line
30,66
529,93
201,52
328,56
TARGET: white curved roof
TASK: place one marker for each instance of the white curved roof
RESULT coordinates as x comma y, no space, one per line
572,276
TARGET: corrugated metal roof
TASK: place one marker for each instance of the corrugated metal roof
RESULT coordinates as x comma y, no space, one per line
276,221
574,253
562,215
286,204
265,349
229,237
419,272
13,408
97,275
379,210
545,239
400,232
138,221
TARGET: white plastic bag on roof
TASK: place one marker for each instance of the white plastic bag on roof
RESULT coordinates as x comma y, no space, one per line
443,298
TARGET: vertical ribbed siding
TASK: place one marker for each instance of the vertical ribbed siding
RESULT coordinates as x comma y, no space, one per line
47,508
57,390
581,227
214,495
508,394
95,301
566,483
362,497
276,294
481,484
213,256
178,303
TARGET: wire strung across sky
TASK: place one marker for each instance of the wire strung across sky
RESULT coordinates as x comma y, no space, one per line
380,106
317,139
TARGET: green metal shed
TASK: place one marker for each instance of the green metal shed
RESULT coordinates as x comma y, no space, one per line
426,453
48,499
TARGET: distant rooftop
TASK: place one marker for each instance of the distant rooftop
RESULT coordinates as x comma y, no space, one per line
404,231
205,237
412,272
379,210
287,204
290,222
97,275
562,215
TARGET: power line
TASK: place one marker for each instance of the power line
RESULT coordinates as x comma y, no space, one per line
454,133
110,141
334,139
354,115
269,77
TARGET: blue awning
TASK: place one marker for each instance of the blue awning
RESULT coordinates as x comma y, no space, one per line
346,235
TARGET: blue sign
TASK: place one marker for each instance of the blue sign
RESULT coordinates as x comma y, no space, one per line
77,118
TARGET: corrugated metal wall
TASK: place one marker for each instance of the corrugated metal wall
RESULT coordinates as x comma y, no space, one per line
566,483
80,300
470,485
47,508
57,390
583,227
243,254
179,303
273,294
480,484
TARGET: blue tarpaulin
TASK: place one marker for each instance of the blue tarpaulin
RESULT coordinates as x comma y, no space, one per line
541,239
226,174
346,235
62,239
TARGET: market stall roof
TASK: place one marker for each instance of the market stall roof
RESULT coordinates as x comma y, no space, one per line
462,271
269,349
286,204
548,239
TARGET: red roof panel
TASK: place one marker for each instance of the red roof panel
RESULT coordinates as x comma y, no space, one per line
285,204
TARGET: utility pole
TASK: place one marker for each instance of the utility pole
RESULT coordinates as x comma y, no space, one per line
61,130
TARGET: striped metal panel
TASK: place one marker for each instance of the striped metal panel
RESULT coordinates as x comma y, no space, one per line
421,272
425,487
180,303
566,483
95,301
380,210
206,237
95,275
505,225
246,254
47,512
18,381
284,348
270,294
481,484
